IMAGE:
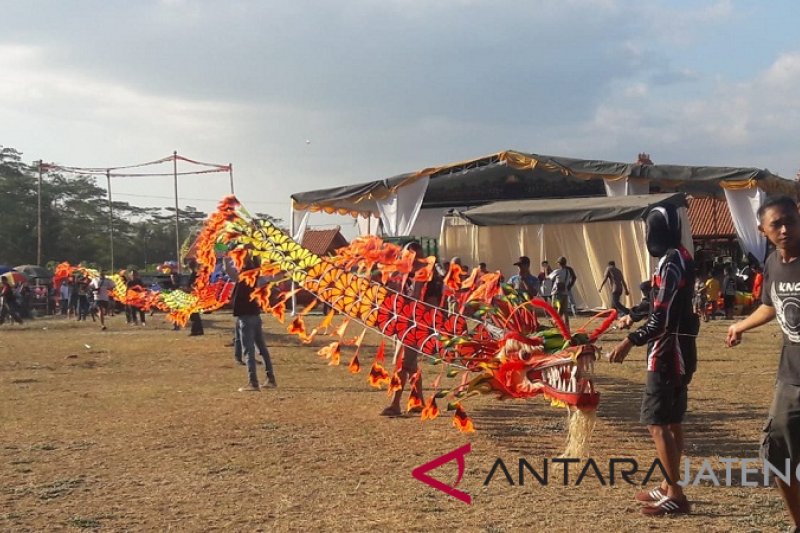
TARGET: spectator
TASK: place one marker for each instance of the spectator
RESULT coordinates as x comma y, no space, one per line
729,291
563,279
65,292
134,286
73,297
700,300
195,318
642,309
616,281
82,288
545,283
712,293
101,288
8,306
525,283
24,299
571,279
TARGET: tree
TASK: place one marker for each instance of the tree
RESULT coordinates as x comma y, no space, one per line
75,220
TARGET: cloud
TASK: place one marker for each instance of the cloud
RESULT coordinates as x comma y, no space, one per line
750,123
383,87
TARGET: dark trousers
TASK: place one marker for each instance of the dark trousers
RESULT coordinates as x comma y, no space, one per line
11,309
616,303
197,324
134,314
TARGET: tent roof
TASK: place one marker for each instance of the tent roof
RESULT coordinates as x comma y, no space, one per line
34,271
510,174
569,210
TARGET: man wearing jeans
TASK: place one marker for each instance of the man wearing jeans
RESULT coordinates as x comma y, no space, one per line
248,326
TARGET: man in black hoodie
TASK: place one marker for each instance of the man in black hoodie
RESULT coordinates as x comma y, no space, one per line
670,335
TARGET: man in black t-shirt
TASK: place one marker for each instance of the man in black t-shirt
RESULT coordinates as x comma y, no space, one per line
779,221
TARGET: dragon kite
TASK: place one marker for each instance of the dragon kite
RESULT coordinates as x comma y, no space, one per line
489,338
486,338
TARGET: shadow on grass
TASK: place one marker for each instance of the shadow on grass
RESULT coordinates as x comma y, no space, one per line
711,427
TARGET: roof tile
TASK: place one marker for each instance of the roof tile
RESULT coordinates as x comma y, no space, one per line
710,217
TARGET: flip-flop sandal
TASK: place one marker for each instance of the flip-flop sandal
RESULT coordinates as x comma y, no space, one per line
667,506
650,496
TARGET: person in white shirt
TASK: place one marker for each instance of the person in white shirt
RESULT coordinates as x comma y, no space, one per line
102,286
65,292
563,279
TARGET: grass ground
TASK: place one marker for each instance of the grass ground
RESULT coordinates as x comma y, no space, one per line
142,429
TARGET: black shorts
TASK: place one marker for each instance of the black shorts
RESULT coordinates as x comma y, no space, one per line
664,400
780,439
102,304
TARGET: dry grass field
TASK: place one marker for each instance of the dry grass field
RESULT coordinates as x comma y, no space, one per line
142,429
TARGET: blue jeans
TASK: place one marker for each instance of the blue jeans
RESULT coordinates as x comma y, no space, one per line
251,336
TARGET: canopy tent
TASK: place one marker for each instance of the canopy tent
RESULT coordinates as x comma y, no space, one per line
589,232
402,200
34,271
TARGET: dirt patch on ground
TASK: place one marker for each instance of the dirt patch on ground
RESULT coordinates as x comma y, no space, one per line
143,429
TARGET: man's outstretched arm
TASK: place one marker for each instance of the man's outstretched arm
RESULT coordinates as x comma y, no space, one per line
757,318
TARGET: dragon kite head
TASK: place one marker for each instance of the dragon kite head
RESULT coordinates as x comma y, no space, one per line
565,377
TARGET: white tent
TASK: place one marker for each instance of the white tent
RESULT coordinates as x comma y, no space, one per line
589,232
412,203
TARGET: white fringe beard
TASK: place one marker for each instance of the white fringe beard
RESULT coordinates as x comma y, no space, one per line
580,425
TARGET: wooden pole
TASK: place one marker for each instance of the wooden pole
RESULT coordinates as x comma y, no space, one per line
110,219
39,218
177,222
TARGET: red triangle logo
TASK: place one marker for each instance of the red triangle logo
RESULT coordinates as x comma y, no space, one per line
420,473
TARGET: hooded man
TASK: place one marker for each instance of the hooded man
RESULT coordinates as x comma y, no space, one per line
670,335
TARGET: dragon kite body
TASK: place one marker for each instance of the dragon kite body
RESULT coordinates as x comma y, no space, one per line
488,335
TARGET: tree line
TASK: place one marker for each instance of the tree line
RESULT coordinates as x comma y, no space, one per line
75,221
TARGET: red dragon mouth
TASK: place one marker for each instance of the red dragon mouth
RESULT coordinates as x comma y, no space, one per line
566,381
564,378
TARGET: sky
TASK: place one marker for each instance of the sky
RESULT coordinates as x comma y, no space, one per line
300,95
